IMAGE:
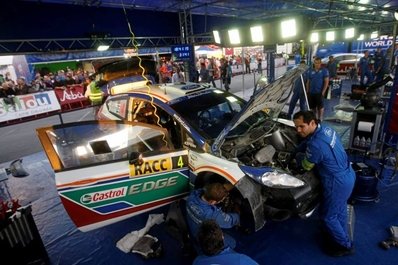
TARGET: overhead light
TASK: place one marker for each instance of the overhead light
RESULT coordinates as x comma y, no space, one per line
361,37
330,36
396,14
257,34
216,36
314,37
102,48
288,28
234,37
374,35
349,33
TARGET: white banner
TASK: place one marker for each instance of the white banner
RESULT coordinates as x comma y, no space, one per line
28,105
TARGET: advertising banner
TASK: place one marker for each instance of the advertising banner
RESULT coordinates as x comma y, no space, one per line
70,94
28,105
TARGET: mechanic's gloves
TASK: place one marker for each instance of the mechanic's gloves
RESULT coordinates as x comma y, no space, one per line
301,164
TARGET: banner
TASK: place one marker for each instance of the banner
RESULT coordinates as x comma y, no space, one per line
28,105
70,94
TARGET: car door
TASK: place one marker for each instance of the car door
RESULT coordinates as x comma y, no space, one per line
107,171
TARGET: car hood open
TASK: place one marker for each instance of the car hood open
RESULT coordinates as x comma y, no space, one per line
270,98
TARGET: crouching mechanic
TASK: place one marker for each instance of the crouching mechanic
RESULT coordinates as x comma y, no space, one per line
324,149
211,242
202,205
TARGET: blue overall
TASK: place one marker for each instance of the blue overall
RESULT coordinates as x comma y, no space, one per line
365,71
298,94
199,210
226,256
316,80
324,149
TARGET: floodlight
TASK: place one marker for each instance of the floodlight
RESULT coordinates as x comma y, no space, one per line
288,28
314,37
102,48
257,34
216,36
374,35
361,37
330,36
396,14
349,33
234,37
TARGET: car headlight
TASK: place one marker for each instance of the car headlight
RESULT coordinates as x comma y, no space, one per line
279,179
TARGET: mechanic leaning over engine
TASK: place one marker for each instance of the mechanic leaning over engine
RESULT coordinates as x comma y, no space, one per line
324,150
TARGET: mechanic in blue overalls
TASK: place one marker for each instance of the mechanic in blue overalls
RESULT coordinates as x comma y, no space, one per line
325,151
202,205
317,85
298,94
210,237
365,69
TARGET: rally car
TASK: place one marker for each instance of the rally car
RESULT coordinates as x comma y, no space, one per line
153,143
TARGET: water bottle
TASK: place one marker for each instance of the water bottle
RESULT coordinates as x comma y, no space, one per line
362,143
368,143
356,141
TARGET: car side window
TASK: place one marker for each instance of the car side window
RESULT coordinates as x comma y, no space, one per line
149,113
118,107
94,143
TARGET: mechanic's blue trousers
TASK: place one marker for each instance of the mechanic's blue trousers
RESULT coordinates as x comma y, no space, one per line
333,212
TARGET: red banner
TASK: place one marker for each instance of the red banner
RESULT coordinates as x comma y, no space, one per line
70,94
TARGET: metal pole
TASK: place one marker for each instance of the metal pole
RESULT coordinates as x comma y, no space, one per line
242,61
392,57
60,117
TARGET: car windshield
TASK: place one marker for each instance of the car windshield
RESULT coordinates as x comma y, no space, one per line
210,112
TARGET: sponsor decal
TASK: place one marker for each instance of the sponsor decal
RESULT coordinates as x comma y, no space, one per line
153,185
158,165
103,195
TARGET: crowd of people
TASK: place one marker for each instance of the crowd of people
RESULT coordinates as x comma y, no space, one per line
20,86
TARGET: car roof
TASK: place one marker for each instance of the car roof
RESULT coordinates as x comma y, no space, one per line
167,93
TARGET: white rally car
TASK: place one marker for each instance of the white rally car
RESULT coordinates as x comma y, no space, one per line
153,143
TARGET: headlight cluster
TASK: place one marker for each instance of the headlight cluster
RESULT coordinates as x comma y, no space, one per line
279,179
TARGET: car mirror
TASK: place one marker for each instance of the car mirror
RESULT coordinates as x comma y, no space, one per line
136,158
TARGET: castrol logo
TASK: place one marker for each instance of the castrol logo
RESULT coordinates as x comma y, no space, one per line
103,195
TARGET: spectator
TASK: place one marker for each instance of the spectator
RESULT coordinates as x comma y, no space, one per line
202,205
165,75
178,76
259,65
323,149
226,74
298,94
212,69
210,238
247,64
317,84
203,73
22,88
365,69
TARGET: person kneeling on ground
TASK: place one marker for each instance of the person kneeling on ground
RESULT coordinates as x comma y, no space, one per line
211,241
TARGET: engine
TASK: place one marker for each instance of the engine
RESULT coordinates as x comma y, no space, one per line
263,146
